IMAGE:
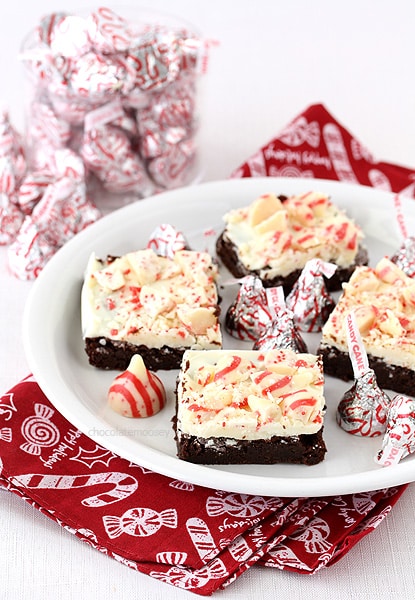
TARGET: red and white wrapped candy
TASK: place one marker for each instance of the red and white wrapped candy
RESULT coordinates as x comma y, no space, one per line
364,407
399,438
12,170
108,32
45,32
247,317
82,64
11,218
69,37
137,392
30,252
166,241
172,168
100,78
281,331
11,147
63,210
155,61
168,119
107,153
309,299
47,125
32,189
404,258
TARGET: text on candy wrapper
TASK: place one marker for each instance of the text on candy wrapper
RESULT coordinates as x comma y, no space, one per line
355,347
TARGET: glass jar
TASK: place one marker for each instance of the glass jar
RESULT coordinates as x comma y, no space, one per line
120,93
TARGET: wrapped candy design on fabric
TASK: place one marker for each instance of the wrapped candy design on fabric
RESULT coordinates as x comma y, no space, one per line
126,511
281,331
364,407
80,65
309,299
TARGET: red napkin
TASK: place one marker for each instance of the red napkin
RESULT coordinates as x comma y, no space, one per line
195,538
315,145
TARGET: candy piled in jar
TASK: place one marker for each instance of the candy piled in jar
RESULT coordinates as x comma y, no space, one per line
120,93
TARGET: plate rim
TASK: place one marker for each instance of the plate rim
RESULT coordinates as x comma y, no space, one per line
202,475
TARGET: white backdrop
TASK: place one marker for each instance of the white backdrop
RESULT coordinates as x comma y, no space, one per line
274,59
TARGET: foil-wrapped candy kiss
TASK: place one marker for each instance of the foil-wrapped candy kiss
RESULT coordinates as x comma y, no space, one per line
363,408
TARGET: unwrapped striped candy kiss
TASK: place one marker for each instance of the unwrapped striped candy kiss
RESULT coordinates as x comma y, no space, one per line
363,408
137,392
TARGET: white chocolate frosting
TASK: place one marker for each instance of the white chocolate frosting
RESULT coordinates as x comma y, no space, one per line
383,300
143,298
277,238
249,395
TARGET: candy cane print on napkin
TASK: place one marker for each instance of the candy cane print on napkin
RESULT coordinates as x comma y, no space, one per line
121,485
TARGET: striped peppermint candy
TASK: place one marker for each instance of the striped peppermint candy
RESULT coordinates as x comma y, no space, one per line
137,392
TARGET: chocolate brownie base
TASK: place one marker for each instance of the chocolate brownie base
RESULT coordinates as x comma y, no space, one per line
106,353
391,377
306,449
227,252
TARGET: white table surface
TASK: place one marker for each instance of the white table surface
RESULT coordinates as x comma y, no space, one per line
274,59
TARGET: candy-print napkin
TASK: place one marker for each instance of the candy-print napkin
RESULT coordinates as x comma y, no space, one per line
196,538
316,145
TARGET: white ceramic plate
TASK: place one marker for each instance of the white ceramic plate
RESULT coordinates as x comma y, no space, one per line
54,346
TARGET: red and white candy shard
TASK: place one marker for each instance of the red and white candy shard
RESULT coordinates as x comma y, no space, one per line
137,392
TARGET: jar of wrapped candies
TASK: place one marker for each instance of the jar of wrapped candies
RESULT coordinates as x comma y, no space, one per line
120,92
